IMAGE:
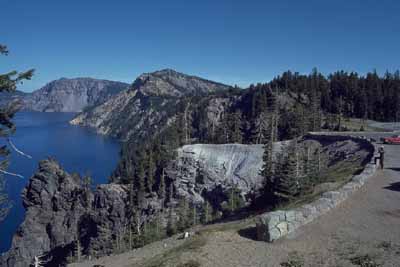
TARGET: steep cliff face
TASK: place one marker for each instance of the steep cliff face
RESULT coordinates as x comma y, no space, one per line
147,106
72,95
201,170
66,95
60,210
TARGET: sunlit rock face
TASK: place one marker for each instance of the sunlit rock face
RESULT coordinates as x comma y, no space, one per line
66,95
148,106
72,95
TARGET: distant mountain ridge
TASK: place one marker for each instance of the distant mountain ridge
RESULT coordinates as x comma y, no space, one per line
168,82
67,95
147,106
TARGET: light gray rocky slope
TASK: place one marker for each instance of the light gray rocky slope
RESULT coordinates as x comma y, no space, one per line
67,95
147,106
203,171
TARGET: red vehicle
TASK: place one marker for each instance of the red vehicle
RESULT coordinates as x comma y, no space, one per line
395,140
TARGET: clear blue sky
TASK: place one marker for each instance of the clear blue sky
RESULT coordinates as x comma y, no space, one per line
236,42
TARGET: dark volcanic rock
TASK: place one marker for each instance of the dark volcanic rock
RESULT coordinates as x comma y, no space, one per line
57,205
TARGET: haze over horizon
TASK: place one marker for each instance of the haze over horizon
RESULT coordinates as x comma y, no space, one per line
229,41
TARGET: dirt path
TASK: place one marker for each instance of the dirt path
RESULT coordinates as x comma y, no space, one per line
367,225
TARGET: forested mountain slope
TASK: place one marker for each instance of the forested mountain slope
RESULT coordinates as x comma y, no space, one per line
147,106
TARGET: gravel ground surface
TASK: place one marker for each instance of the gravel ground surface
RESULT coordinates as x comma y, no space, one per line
363,231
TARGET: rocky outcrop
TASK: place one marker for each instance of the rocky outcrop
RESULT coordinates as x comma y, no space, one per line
170,83
72,95
60,211
204,171
67,95
147,107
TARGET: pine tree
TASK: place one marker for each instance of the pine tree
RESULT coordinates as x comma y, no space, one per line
234,199
78,250
8,83
207,212
315,165
151,172
161,186
224,133
192,217
267,171
315,103
187,124
183,214
237,127
340,114
171,192
140,182
171,224
194,214
259,128
287,186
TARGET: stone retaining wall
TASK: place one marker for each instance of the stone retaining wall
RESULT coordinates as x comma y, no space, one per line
274,225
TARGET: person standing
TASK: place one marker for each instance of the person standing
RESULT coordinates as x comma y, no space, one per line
381,152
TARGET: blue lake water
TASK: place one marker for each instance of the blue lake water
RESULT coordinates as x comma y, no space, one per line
49,134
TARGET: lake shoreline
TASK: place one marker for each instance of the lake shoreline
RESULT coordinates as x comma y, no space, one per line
43,135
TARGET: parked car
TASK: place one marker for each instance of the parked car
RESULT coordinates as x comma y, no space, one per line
395,140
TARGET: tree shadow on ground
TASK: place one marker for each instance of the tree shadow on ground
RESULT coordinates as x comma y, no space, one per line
249,233
393,187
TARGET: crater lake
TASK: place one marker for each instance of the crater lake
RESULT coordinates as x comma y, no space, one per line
42,135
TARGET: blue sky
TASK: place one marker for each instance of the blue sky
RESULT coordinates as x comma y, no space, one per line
236,42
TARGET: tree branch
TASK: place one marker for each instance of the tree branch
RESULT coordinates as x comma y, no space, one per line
17,150
12,174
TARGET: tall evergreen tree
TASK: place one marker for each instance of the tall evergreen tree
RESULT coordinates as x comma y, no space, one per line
161,186
140,181
183,214
207,212
259,128
151,171
236,126
287,186
8,83
171,224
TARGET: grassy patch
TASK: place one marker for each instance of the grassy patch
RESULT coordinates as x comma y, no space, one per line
340,174
172,255
354,125
228,226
